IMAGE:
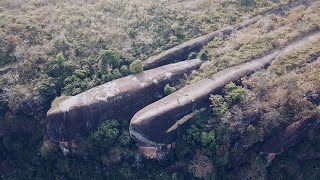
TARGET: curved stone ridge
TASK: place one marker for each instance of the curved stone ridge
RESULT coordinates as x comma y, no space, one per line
74,117
182,51
155,125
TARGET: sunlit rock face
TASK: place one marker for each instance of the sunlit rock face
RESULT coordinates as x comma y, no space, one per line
76,116
158,123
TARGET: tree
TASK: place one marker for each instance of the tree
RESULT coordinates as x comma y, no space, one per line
82,73
247,3
208,138
46,88
234,93
107,134
136,67
218,104
109,58
201,166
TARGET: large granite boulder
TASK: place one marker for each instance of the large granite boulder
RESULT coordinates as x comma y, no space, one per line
76,116
157,123
182,51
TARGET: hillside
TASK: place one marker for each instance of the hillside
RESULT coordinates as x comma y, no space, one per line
261,126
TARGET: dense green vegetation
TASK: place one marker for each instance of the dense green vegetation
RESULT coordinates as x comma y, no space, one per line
66,47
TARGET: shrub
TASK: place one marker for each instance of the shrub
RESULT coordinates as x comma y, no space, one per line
247,3
234,93
60,58
116,74
208,139
192,55
218,104
124,70
46,88
136,67
168,89
7,49
203,55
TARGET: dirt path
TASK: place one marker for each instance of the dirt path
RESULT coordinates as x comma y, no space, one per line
182,51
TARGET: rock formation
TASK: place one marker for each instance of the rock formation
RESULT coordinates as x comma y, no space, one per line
76,116
291,135
157,123
182,51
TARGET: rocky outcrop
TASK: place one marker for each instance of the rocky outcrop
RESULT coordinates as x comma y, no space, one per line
76,116
291,135
156,124
182,51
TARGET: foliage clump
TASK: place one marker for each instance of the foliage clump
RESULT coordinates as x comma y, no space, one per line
107,134
234,93
109,59
136,66
218,104
169,89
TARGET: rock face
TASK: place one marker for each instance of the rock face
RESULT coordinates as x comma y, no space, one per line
291,135
182,51
76,116
157,123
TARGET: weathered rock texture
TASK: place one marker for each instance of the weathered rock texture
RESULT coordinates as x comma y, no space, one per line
157,123
291,135
182,51
76,116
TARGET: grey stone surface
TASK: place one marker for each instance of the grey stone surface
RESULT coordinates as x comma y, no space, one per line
76,116
153,124
182,51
